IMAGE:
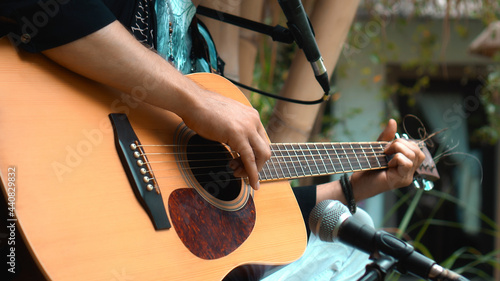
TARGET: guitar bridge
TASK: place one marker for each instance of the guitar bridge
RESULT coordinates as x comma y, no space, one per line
138,171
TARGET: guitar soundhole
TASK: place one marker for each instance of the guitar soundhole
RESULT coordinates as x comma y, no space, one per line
209,163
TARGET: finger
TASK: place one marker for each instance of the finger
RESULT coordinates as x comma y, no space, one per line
402,146
400,159
248,159
404,168
409,149
237,167
262,150
262,153
389,132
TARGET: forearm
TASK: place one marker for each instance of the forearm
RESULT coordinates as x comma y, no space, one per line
363,187
113,57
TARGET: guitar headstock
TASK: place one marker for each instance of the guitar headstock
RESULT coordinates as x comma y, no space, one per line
427,173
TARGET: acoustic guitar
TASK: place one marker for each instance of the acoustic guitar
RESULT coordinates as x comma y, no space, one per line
102,188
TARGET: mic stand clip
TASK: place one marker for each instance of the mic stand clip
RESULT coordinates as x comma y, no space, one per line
378,269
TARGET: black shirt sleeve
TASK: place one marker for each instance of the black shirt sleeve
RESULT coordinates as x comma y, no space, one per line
40,25
306,197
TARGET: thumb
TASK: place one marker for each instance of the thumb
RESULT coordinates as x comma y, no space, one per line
389,132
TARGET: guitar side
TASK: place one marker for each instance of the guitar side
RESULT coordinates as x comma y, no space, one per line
74,205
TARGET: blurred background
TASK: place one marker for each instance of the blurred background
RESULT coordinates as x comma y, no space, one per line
433,65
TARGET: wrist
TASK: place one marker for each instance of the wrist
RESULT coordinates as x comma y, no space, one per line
367,184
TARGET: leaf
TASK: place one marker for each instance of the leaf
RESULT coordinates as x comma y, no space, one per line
366,71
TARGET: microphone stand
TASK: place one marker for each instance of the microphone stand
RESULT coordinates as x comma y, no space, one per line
277,33
378,269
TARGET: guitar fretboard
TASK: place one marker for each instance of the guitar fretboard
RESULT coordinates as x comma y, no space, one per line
297,160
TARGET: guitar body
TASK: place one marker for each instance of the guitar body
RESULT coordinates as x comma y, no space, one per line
74,204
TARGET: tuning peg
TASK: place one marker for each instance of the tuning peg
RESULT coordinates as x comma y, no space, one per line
428,185
416,184
398,136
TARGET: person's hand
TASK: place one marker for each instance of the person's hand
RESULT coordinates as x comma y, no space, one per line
222,119
406,158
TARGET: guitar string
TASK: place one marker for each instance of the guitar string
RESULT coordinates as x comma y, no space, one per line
346,156
276,147
419,143
266,179
354,153
297,159
302,145
287,158
327,168
293,162
269,179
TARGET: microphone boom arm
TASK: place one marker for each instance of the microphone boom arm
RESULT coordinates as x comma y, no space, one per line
278,33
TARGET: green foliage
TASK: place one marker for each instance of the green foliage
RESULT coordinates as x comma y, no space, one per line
472,256
429,47
271,70
490,97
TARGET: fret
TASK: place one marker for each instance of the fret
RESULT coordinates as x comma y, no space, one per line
355,156
376,158
304,161
339,162
327,160
276,159
318,159
263,175
311,153
327,153
283,160
346,156
361,156
271,169
366,156
339,159
289,161
298,161
382,158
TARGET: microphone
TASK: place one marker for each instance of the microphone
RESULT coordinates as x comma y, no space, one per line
330,219
298,23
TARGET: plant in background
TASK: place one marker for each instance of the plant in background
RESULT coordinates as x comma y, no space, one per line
430,46
490,98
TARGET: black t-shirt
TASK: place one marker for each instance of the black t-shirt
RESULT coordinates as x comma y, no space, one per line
36,25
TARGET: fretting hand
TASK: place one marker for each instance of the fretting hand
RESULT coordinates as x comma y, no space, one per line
406,158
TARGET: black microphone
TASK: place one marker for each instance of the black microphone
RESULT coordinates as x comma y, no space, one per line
330,219
298,23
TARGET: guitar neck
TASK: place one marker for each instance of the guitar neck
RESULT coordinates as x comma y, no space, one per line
298,160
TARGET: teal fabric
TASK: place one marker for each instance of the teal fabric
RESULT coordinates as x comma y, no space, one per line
175,47
212,52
